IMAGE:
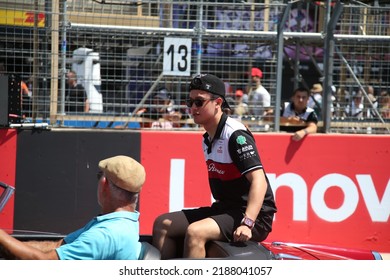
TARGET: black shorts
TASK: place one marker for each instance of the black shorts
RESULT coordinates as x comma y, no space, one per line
227,218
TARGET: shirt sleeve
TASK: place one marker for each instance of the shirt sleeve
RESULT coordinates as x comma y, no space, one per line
243,151
312,118
94,244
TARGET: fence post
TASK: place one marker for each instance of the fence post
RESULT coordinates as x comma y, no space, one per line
328,63
279,67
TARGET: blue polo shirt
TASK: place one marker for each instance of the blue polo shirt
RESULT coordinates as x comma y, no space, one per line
113,236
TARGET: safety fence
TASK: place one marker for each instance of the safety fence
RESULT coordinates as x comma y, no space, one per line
126,52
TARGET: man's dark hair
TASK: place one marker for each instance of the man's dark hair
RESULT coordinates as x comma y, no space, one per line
302,89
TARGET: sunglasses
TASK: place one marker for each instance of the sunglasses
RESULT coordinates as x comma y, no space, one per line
198,102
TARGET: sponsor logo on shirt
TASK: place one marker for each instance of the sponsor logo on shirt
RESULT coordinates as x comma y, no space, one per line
241,140
212,168
246,150
247,155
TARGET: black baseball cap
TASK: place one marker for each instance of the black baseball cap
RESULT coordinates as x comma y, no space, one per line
211,84
163,94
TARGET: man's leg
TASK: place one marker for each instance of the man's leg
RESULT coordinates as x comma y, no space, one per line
166,229
198,233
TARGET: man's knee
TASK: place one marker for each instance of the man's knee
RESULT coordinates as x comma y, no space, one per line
194,232
162,222
174,221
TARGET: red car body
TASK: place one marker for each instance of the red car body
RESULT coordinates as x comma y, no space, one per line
287,250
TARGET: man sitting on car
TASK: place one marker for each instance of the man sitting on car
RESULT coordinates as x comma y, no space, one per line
114,235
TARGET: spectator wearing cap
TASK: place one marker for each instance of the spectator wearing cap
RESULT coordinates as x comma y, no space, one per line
315,100
162,110
241,107
244,204
259,99
114,235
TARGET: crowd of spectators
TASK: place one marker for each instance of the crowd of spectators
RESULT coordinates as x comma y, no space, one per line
249,101
363,103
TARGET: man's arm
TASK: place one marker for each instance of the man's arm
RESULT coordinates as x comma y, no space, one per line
257,192
45,246
86,105
16,249
311,128
256,196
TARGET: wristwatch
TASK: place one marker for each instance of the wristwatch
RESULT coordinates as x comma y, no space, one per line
248,222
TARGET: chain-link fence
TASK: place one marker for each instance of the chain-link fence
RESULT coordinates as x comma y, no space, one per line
124,53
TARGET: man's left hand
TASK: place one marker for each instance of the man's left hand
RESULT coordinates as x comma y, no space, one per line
242,234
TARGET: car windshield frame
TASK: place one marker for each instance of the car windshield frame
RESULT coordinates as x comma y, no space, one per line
5,194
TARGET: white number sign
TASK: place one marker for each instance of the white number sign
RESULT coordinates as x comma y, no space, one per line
177,56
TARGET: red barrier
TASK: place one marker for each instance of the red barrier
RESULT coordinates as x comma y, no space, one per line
330,189
7,172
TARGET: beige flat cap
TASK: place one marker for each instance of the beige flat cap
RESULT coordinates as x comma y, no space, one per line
124,172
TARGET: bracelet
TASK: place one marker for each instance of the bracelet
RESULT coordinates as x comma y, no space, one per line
305,130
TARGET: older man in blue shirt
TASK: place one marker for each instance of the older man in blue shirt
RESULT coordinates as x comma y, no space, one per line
114,235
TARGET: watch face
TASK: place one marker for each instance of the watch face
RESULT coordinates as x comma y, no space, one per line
248,222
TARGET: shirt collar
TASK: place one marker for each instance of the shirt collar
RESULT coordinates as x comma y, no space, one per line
119,214
217,135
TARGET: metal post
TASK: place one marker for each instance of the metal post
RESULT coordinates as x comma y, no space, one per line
35,62
54,60
328,62
279,67
199,30
63,57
